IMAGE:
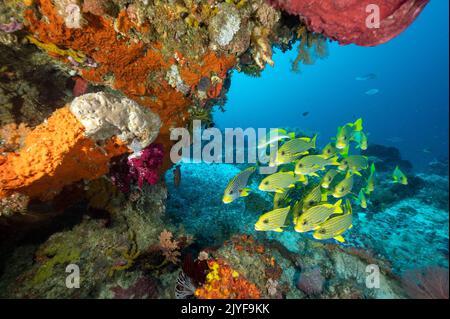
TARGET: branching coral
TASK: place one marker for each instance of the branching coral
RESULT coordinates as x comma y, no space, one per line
169,247
311,46
222,282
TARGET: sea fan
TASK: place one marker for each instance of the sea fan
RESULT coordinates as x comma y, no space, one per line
427,283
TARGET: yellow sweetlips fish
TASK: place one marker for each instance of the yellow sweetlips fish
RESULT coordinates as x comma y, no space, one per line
399,176
336,226
297,210
361,199
274,220
371,180
328,178
345,133
280,182
237,187
330,150
310,164
354,164
361,140
293,149
314,197
315,216
274,136
344,187
280,199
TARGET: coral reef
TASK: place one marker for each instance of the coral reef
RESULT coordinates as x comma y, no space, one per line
96,245
89,93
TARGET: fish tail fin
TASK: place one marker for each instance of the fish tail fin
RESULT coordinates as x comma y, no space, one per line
340,239
372,168
245,192
358,125
301,177
344,152
334,161
338,207
313,141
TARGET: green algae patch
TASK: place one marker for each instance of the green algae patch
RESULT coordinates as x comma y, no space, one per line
58,254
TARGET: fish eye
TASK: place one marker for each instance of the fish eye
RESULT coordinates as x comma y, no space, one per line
266,183
344,138
265,221
283,153
300,165
328,151
305,222
342,189
231,192
322,231
311,202
345,162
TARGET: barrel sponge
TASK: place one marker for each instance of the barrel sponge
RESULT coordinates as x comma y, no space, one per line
104,115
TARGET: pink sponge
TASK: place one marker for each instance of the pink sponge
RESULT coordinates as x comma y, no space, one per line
346,20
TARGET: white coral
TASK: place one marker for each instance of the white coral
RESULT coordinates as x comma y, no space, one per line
105,115
174,79
225,25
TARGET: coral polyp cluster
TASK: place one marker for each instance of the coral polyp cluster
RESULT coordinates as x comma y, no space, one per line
222,282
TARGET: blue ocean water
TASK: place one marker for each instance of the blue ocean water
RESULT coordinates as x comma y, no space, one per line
410,110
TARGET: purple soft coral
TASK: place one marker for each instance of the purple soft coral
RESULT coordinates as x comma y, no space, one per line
139,168
13,26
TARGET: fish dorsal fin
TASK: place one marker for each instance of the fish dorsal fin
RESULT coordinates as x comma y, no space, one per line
358,125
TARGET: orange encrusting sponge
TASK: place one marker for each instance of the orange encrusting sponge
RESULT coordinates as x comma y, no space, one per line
222,282
56,153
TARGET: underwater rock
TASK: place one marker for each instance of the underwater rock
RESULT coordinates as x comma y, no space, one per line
386,158
439,166
350,21
311,281
107,256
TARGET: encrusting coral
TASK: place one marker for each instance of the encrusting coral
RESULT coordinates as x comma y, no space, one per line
222,282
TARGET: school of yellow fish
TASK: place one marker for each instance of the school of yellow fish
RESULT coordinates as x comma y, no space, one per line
306,180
